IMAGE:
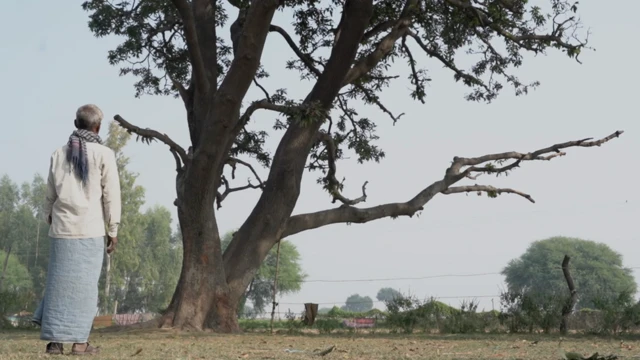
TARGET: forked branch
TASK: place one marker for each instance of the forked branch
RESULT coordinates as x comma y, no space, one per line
233,163
228,190
331,182
455,173
148,135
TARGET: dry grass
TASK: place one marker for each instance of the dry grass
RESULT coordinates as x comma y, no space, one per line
171,345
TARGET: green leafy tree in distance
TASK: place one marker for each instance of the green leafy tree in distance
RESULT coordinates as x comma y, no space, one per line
388,294
208,54
290,276
596,270
357,303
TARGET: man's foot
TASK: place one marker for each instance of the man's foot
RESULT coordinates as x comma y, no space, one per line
84,349
54,348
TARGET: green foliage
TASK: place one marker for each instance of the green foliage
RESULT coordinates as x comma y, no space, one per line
407,313
341,313
16,279
617,315
16,293
260,290
494,35
357,303
23,233
596,269
387,294
527,311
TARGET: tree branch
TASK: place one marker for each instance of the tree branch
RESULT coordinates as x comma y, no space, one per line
149,135
331,182
455,173
385,46
266,105
542,154
467,78
191,37
228,190
490,190
233,162
306,59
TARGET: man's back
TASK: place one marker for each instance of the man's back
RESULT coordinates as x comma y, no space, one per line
80,210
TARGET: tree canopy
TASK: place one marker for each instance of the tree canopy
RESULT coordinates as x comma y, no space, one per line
357,303
388,294
597,270
210,53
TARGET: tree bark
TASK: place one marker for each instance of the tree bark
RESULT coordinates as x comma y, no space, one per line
266,224
202,300
567,309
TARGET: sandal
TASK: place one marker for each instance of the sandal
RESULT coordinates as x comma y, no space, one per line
54,348
88,350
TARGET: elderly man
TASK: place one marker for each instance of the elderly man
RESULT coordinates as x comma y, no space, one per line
83,196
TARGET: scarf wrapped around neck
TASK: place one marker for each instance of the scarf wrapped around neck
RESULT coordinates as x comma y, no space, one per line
77,152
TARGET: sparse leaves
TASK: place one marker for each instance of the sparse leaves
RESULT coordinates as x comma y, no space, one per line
494,34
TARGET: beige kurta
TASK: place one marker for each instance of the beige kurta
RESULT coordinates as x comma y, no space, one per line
78,212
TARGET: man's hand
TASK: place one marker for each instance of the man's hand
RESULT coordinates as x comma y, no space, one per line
112,242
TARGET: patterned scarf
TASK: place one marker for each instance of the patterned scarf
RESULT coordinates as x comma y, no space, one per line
77,152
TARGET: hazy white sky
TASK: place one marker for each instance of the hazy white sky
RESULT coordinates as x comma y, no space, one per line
50,64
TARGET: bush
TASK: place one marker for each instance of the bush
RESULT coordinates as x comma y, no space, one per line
617,315
526,312
407,313
467,320
327,326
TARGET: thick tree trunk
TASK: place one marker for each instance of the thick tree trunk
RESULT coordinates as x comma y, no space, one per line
202,299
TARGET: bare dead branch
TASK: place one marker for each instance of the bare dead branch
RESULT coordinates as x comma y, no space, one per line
351,214
332,183
233,162
547,153
266,93
149,135
191,37
490,190
228,190
567,308
306,59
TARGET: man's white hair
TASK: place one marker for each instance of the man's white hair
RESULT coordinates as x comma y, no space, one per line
89,116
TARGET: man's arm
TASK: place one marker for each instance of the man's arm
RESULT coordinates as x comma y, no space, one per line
111,200
51,195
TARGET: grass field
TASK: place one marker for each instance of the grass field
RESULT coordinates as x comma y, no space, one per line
170,345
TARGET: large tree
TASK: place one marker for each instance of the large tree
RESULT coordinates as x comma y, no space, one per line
343,49
596,269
